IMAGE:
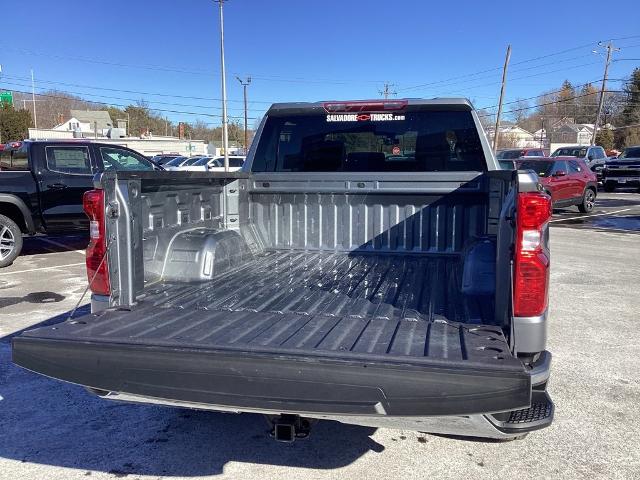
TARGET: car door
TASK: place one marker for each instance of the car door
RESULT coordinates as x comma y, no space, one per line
65,173
560,190
577,178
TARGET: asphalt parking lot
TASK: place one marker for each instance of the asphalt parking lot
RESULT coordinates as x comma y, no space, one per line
57,431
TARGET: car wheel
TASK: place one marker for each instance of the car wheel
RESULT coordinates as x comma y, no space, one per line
609,187
588,201
10,241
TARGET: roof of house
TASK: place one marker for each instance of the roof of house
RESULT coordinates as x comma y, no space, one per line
91,116
576,127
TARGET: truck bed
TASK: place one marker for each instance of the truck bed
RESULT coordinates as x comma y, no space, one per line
361,286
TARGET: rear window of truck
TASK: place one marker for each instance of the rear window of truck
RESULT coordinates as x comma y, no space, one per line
14,160
415,141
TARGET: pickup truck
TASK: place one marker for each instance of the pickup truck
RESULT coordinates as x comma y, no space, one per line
370,264
623,171
42,184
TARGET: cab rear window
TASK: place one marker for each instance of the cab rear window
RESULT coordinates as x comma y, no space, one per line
14,160
415,141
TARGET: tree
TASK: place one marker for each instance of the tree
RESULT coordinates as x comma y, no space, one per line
629,118
587,104
605,139
567,100
520,111
14,124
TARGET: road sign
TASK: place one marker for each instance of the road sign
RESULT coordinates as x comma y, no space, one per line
6,98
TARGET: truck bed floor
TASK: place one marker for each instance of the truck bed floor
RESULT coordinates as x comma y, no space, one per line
357,285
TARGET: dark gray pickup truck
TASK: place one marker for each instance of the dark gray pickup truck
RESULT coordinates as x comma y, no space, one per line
370,264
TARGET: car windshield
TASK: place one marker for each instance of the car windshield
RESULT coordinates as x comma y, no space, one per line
191,161
175,162
509,154
412,141
541,168
579,152
202,161
633,152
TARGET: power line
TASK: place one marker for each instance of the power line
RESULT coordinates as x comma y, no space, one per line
155,102
549,103
109,104
516,79
500,67
542,95
15,77
152,67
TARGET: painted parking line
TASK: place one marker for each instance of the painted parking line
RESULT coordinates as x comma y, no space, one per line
582,217
42,268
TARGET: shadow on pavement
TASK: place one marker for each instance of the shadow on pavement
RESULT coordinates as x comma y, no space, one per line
42,245
53,423
33,297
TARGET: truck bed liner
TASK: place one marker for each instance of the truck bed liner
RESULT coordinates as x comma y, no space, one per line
420,287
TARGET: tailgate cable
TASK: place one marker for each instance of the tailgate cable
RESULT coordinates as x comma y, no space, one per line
104,256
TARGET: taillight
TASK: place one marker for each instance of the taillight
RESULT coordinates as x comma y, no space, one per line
531,269
97,264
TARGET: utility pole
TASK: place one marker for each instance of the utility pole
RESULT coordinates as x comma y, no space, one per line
245,84
225,121
496,132
387,90
33,97
610,49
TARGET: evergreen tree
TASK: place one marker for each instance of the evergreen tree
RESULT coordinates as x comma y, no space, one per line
14,124
630,115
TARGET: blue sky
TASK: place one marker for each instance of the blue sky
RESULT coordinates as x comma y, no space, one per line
307,50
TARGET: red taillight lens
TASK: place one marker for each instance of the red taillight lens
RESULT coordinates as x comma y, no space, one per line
365,106
531,269
97,265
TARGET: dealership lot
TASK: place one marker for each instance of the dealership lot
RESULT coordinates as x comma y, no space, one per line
53,430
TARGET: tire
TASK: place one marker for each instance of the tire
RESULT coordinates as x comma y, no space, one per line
588,201
609,187
10,241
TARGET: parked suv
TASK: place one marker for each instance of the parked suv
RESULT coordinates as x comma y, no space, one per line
42,183
567,180
594,156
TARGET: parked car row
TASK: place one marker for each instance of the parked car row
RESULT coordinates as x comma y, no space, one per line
203,163
571,174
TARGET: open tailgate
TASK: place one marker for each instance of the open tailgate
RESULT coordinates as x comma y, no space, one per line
284,362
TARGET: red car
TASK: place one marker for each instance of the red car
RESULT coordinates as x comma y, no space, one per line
568,180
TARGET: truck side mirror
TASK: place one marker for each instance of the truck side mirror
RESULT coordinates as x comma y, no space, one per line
560,173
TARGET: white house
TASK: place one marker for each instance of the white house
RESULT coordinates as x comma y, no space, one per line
515,136
86,122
